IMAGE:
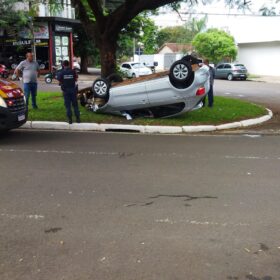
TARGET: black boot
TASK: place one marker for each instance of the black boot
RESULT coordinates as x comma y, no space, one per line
70,121
78,120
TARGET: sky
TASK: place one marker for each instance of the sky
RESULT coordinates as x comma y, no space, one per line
250,28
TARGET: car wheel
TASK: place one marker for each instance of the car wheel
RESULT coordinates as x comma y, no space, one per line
48,80
181,75
100,88
133,75
230,77
115,78
180,71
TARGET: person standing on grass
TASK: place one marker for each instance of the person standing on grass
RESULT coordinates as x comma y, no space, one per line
210,93
30,72
67,78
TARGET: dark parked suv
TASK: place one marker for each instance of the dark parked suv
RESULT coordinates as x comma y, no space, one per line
231,71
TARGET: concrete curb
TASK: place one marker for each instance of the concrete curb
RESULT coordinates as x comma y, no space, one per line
149,129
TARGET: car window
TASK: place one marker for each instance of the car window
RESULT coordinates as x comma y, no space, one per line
220,66
136,65
125,65
239,65
227,66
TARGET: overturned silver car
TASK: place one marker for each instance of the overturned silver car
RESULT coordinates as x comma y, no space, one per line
165,94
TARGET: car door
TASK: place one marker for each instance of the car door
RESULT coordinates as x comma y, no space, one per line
227,70
219,71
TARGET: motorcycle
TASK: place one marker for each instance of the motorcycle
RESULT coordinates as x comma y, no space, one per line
4,73
52,75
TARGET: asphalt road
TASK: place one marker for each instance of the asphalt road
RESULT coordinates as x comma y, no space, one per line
267,94
93,206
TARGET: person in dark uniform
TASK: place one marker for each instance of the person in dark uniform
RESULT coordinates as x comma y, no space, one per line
67,78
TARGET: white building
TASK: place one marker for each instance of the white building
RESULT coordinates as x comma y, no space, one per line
259,45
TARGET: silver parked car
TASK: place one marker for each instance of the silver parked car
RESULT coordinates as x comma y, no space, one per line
159,95
231,71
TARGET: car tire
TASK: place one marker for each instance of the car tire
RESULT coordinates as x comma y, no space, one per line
100,88
133,75
230,77
114,78
48,80
181,75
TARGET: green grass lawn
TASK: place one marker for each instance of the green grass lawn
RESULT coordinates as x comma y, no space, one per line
51,108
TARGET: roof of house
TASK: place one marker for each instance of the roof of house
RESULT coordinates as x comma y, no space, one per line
176,48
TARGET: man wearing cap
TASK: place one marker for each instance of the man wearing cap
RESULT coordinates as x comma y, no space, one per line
67,79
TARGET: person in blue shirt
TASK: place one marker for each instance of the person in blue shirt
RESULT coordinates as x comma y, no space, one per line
67,78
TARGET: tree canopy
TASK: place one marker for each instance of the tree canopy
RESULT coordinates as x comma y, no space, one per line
104,21
181,34
10,17
216,45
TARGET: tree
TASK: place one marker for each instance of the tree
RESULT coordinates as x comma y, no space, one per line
215,45
10,17
140,29
85,49
271,10
181,34
104,23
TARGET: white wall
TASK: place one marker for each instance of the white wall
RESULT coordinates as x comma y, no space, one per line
164,60
261,58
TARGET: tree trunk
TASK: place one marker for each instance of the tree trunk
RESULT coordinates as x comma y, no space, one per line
84,64
108,48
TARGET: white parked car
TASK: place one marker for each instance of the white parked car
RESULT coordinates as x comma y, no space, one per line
135,69
159,95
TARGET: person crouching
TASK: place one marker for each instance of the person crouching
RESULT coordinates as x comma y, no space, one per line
67,78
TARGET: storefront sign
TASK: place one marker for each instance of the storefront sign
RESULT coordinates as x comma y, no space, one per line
40,30
12,42
63,28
